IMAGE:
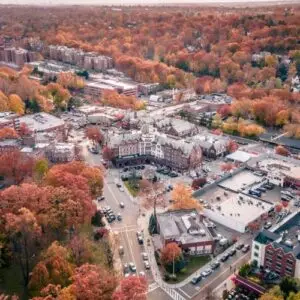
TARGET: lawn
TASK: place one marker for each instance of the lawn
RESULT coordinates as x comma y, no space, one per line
133,191
194,263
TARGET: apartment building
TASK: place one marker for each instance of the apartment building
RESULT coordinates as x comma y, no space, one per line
17,56
278,249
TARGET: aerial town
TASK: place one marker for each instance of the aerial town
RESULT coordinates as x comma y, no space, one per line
150,152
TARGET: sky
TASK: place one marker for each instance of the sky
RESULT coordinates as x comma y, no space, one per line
124,2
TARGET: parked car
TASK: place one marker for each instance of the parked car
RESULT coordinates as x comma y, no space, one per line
196,279
239,246
206,272
246,248
254,193
173,174
232,252
140,240
224,257
100,198
214,265
119,217
121,250
122,205
261,189
121,189
126,270
268,225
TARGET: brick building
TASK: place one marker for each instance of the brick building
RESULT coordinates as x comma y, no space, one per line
278,249
185,228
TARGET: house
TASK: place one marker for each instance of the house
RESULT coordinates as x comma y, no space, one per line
185,227
278,249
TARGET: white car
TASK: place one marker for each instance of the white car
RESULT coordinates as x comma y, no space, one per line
145,256
206,273
132,267
147,265
121,189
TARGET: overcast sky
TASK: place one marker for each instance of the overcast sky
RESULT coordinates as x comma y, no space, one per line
143,2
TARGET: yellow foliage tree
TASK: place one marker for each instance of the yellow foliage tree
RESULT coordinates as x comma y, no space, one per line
16,104
183,199
3,102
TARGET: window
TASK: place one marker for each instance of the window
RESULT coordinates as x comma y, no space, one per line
289,261
269,252
255,254
288,269
256,247
278,265
279,256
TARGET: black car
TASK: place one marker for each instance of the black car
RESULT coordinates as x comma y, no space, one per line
239,246
232,252
215,265
140,240
173,174
196,279
224,257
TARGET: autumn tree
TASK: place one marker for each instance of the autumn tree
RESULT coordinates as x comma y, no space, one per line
59,95
198,182
92,282
273,294
80,249
24,233
8,133
40,168
94,134
281,150
15,165
131,288
232,146
70,80
170,253
55,268
16,104
183,199
107,153
227,167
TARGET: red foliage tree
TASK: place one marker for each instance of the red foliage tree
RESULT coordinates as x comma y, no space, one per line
227,167
232,146
94,134
224,111
90,282
170,253
278,208
131,288
197,183
107,153
281,150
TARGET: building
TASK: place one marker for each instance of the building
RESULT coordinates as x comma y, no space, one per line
61,152
9,119
17,56
176,127
41,123
278,249
87,60
144,146
185,228
212,145
147,89
280,170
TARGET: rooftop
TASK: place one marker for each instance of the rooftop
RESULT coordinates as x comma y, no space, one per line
183,226
41,121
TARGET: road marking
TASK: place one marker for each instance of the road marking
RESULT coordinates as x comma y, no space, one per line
112,193
183,292
208,284
130,248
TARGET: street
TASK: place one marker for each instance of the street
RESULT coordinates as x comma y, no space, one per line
126,231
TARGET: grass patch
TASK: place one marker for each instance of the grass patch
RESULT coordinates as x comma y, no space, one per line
194,264
133,190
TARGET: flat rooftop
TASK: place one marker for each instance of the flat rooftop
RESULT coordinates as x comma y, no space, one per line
41,121
239,181
243,210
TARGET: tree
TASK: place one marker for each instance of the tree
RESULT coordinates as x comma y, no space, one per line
198,182
281,150
294,296
170,253
232,146
227,167
216,121
54,268
15,165
94,134
24,130
131,288
3,102
107,153
8,133
183,199
41,168
24,232
273,294
288,285
70,80
92,282
16,104
244,270
224,111
80,248
253,226
278,208
59,95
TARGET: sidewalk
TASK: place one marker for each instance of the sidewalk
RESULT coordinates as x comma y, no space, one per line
225,285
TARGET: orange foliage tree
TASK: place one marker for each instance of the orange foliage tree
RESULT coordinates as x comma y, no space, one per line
131,288
183,199
170,253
